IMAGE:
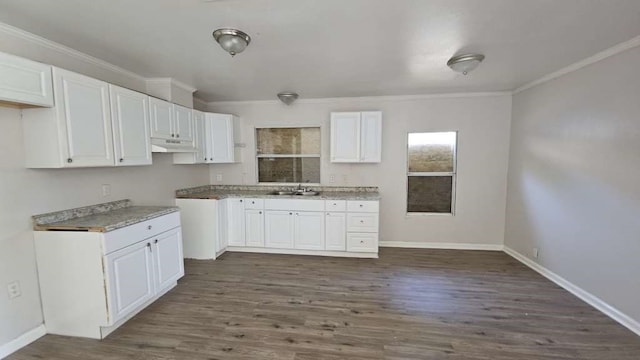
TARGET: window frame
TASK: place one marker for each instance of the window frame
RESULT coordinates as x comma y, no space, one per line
258,156
453,174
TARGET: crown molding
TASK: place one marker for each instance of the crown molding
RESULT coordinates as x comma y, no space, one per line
201,102
614,50
169,82
365,98
35,39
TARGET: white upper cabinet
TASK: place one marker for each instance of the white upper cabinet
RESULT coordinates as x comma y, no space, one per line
24,81
161,119
356,136
130,120
182,123
222,133
77,131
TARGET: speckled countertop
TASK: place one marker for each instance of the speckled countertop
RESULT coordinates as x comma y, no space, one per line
99,218
259,191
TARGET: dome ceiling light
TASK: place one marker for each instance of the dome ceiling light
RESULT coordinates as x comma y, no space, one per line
231,40
465,63
287,97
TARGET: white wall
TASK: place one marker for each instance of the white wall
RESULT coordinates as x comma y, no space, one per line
25,192
574,178
483,125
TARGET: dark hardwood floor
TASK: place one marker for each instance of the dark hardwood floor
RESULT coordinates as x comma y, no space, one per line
409,304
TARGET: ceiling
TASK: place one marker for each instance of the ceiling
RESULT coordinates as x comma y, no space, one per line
333,48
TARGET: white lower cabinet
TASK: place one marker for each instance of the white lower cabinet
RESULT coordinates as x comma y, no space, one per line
236,229
130,271
254,227
292,226
278,226
335,231
109,277
308,230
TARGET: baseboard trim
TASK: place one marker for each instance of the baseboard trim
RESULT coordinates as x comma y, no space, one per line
582,294
261,250
449,246
22,341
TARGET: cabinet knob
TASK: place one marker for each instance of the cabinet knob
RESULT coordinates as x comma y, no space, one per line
240,200
149,246
121,159
155,241
149,227
259,212
177,135
328,214
334,204
361,221
173,135
361,241
69,160
290,213
361,205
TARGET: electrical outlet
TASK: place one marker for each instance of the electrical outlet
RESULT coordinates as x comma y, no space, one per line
13,288
218,177
106,190
535,252
332,178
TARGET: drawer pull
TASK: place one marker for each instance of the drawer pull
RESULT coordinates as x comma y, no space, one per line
149,227
334,204
149,246
361,205
361,241
361,221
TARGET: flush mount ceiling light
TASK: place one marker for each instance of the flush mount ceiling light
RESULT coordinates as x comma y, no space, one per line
465,63
231,40
287,97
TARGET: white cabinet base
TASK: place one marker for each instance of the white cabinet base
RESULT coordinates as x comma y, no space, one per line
367,255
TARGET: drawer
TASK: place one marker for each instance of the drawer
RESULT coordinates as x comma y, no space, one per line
335,205
362,222
254,204
363,206
129,235
294,204
362,242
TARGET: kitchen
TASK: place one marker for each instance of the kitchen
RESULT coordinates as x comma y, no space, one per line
484,119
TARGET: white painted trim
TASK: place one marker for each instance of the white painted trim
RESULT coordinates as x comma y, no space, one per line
22,341
617,49
584,295
35,39
365,98
201,102
450,246
170,81
372,255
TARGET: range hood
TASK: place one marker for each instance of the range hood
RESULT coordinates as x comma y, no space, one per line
171,146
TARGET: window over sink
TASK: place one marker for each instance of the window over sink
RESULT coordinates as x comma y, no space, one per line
288,154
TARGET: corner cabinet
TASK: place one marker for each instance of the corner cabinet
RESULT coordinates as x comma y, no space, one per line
215,137
109,277
24,81
356,137
93,124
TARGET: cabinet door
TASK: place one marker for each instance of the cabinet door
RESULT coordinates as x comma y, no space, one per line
130,280
200,137
254,225
223,225
130,120
168,259
83,110
371,137
24,81
182,118
161,119
308,230
236,222
278,228
345,137
221,138
335,231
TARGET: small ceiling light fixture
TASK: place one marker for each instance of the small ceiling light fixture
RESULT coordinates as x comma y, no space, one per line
465,63
231,40
287,97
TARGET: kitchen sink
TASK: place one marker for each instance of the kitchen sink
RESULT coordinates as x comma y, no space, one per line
298,192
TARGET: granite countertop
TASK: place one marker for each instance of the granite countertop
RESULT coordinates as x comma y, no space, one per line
99,218
218,192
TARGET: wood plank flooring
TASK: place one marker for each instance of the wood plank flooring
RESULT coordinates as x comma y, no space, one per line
409,304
